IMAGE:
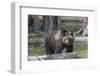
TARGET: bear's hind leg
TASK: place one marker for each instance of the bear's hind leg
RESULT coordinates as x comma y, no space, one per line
49,51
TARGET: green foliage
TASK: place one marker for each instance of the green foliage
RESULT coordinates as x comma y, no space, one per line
71,21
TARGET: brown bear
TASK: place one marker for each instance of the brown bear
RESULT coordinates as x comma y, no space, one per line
56,41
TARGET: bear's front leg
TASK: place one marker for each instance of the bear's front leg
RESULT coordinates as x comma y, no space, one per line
70,48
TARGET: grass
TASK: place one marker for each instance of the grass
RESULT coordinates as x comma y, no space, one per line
81,48
35,48
36,51
35,36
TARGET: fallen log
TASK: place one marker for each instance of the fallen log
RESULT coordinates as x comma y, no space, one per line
72,55
81,39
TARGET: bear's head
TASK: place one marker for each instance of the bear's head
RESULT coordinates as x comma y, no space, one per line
67,37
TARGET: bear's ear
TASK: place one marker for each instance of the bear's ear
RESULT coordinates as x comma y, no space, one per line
64,32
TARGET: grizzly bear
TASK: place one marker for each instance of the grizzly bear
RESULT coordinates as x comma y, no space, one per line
56,41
